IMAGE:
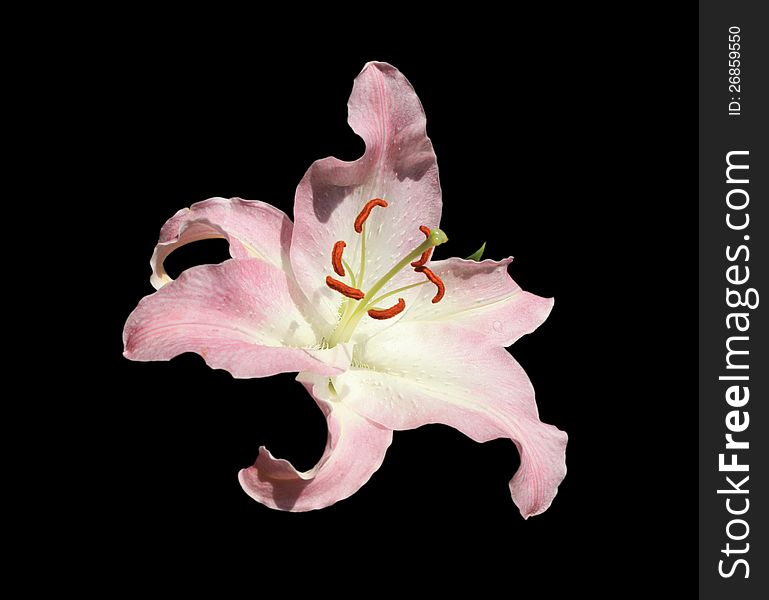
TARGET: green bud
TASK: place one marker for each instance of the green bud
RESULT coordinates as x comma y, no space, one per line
476,256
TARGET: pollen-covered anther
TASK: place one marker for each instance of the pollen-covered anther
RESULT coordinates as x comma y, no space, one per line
387,313
344,289
426,254
361,218
434,279
336,258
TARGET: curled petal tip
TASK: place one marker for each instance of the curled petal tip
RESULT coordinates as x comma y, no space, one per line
355,449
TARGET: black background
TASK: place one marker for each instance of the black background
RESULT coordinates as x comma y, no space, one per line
555,146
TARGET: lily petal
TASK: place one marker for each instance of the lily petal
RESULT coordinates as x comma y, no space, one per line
239,315
398,165
483,297
355,449
420,373
254,229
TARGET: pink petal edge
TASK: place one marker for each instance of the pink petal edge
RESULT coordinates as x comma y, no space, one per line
254,229
431,372
483,297
355,449
398,165
240,316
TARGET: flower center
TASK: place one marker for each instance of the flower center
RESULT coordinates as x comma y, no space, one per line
361,303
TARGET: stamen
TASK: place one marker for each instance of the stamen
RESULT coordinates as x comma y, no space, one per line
388,313
398,291
436,280
426,254
351,314
336,258
344,289
347,266
361,218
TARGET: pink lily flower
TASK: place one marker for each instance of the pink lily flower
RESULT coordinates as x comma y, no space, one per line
381,337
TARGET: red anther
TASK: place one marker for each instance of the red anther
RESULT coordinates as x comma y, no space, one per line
361,218
426,254
436,280
336,258
423,259
388,312
344,289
